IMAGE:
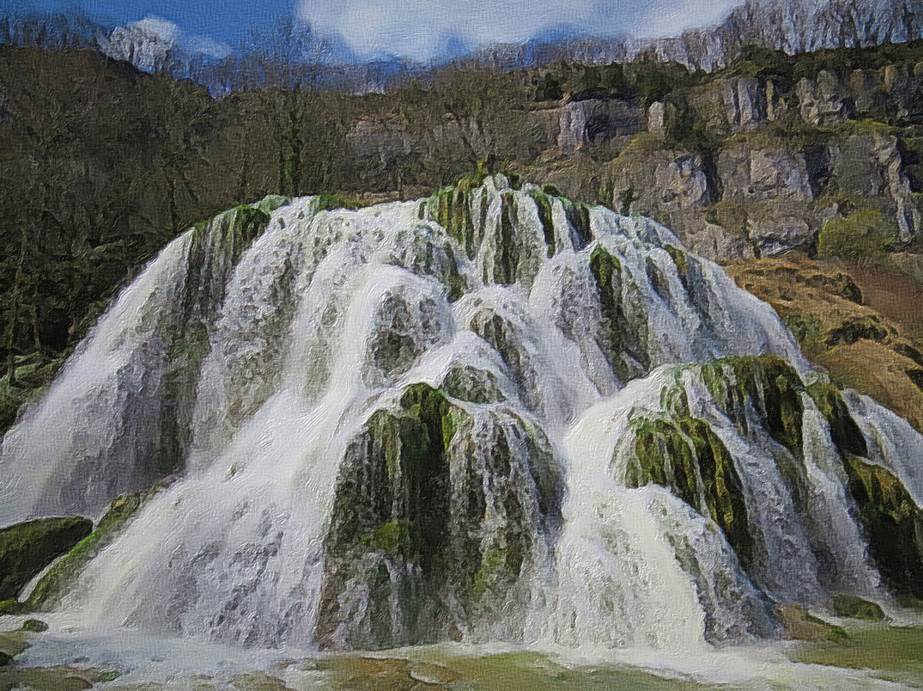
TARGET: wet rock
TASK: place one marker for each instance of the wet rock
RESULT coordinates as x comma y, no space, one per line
27,548
853,607
34,626
800,625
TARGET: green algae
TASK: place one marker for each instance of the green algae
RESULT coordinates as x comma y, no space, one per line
889,652
684,455
545,217
64,571
27,548
893,524
766,382
474,385
854,607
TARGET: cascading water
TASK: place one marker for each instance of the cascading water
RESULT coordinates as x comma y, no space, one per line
491,415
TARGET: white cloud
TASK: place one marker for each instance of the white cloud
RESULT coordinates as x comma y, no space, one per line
420,29
206,46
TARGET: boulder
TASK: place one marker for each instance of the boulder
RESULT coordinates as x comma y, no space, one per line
27,548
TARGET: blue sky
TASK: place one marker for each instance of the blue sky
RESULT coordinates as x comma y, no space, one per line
416,29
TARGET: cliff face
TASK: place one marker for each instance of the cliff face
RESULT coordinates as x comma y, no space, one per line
754,162
792,26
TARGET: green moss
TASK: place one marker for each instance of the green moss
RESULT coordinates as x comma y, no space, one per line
551,190
844,605
862,236
769,384
893,524
494,574
270,203
578,216
543,204
11,606
846,434
680,260
471,384
615,336
52,585
686,456
393,538
451,207
506,260
27,548
806,328
331,202
34,626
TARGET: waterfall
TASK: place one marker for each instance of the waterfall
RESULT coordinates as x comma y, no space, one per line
491,415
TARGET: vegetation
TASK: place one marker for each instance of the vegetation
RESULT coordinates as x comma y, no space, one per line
863,236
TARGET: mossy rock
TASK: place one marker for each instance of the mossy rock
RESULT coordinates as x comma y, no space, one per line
471,384
893,524
769,384
800,625
854,607
34,626
681,260
27,548
270,203
53,584
544,207
862,236
844,430
684,455
11,606
332,202
616,336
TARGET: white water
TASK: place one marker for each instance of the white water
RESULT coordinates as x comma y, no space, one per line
323,321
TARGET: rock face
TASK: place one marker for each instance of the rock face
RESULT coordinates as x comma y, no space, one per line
745,165
870,165
27,548
793,26
592,120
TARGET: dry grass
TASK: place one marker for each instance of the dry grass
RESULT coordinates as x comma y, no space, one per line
863,325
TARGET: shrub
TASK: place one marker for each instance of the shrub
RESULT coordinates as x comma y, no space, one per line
862,236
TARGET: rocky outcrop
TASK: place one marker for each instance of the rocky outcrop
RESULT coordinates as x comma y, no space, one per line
589,121
822,100
868,164
27,548
376,144
648,179
759,170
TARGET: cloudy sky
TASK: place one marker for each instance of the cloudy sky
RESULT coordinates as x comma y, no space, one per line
417,29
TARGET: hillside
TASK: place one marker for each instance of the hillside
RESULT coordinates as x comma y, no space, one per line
105,163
